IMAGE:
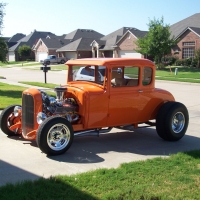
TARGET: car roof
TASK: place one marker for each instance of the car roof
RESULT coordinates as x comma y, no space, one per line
111,61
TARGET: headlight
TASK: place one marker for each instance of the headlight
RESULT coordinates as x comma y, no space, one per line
41,117
17,111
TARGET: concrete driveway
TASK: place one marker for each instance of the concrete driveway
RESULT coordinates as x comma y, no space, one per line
21,159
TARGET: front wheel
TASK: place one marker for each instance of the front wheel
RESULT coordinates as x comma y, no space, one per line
8,119
172,121
55,135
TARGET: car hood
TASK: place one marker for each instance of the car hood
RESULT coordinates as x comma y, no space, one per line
85,87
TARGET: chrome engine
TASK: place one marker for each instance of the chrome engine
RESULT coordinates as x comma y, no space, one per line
67,108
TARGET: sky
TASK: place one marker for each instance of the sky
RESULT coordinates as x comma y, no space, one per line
104,16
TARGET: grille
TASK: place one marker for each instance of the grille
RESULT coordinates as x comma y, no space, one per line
27,113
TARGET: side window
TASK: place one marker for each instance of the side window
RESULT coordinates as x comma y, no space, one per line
146,75
127,76
53,57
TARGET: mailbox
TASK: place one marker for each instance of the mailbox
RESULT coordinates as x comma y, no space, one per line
45,70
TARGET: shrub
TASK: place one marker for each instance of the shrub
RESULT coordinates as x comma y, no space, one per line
194,62
169,60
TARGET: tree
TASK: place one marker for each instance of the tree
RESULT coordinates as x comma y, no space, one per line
157,42
24,50
3,45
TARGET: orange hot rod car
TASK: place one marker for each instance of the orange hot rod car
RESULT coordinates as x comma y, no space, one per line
90,105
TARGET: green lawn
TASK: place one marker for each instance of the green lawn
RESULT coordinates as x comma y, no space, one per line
192,73
176,177
12,94
19,64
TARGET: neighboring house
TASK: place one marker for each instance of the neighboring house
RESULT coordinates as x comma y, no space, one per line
47,46
29,40
73,45
187,32
11,41
188,42
120,43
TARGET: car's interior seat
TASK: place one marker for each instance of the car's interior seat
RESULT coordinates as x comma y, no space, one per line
118,81
132,82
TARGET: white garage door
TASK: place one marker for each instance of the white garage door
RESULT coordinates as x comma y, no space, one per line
70,54
41,56
11,56
129,54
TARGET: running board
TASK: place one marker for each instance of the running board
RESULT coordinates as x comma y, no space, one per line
93,132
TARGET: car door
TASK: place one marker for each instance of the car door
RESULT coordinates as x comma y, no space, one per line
131,98
124,96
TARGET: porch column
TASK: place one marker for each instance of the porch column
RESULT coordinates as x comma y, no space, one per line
97,51
93,52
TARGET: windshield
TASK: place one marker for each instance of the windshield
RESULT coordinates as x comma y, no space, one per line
88,73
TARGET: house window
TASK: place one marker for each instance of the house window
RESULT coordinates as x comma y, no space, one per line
188,52
188,43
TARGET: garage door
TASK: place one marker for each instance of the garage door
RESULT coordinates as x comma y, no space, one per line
129,54
41,56
70,54
11,56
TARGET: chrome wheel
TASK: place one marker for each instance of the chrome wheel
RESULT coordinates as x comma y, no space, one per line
58,137
178,122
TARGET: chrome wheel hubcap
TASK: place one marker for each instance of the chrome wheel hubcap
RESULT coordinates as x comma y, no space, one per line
178,122
58,137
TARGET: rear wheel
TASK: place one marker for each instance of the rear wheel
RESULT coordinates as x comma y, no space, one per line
8,119
172,121
55,135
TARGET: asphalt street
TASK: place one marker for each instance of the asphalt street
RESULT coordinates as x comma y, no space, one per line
21,159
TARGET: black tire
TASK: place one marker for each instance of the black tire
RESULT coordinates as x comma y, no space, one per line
62,61
172,121
7,119
47,142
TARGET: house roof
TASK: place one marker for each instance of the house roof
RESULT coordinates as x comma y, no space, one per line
193,29
31,39
116,33
113,38
16,46
81,44
192,21
16,37
55,43
83,33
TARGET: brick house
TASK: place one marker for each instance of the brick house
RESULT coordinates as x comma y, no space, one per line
28,40
188,42
120,43
47,46
75,44
187,32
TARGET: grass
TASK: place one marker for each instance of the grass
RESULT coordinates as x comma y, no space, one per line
19,64
12,94
184,74
176,177
47,85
